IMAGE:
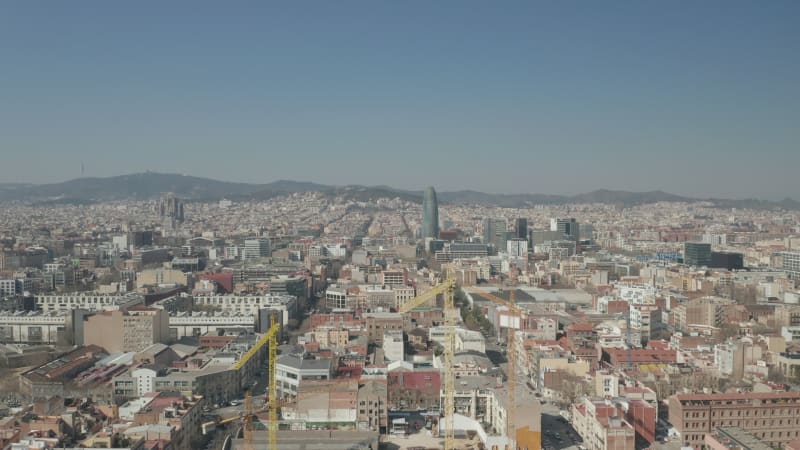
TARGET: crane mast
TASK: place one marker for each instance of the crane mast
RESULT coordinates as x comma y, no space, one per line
446,289
449,356
512,374
512,357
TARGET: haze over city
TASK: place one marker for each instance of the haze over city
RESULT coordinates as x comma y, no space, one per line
417,225
696,99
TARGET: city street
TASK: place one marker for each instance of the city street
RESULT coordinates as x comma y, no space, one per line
557,433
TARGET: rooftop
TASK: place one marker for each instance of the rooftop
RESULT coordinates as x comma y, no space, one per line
738,396
737,438
305,364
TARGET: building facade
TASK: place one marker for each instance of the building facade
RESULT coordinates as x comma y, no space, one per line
291,370
430,214
129,330
256,248
772,417
697,254
251,304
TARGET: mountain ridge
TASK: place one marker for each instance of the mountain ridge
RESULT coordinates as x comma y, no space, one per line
148,185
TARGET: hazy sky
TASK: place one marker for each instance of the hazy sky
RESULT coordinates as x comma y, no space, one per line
692,97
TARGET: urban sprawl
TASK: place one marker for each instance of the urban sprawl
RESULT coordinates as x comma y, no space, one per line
315,321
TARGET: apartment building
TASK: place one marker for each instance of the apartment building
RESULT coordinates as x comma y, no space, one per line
378,323
475,398
212,375
127,330
602,426
330,337
393,277
373,404
181,413
706,311
773,417
291,370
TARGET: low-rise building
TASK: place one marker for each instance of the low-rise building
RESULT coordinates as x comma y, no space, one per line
179,412
55,378
286,305
380,322
771,417
198,323
602,426
393,345
413,388
324,403
727,438
32,327
218,374
292,370
87,301
373,404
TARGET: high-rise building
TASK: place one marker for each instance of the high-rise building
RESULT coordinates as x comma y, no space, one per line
430,214
697,254
521,228
495,233
567,227
256,248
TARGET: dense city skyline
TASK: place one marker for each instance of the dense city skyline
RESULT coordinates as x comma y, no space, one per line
697,99
350,225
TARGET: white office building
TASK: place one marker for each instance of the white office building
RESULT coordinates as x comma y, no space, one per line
517,247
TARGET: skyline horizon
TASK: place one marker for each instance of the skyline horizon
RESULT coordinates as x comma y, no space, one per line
419,190
695,99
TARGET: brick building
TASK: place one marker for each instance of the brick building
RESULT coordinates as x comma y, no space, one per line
410,388
773,417
378,323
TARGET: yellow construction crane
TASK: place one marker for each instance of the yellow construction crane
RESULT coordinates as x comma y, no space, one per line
273,404
511,356
447,289
270,338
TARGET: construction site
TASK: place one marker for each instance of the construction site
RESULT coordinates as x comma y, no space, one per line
282,420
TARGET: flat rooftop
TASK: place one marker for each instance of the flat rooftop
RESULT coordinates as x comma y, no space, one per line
314,440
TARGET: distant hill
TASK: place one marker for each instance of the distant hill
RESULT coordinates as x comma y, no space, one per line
152,185
135,186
